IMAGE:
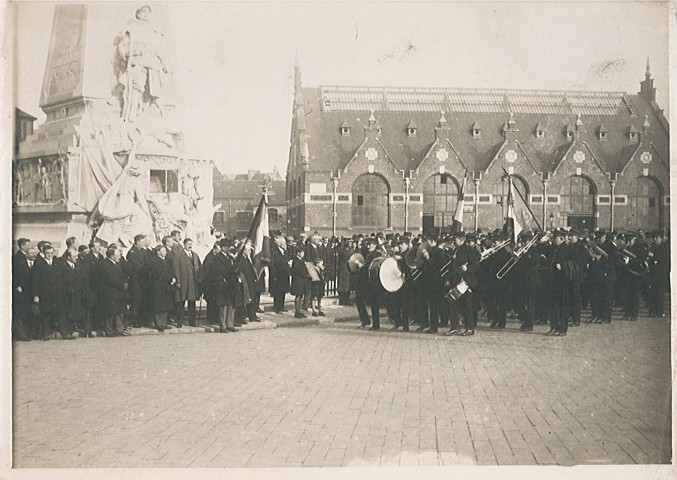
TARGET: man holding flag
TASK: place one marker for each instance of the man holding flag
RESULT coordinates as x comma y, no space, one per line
259,239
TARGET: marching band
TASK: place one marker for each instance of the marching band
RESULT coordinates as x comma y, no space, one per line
543,277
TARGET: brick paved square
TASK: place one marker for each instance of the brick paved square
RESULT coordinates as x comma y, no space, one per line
334,395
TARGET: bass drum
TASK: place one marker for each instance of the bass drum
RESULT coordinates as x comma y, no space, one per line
390,275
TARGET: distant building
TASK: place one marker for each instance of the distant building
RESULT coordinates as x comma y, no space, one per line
23,127
237,196
366,159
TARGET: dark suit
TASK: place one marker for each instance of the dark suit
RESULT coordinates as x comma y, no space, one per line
160,274
253,286
47,284
91,262
77,291
188,274
112,295
21,301
208,287
466,255
224,281
136,259
279,277
365,292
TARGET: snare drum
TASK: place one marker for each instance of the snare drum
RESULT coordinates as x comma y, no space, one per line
457,292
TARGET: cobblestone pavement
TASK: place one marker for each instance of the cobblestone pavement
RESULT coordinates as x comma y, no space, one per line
335,395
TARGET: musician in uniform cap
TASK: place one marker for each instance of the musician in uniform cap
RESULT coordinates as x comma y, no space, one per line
659,268
631,295
578,254
497,290
401,300
431,282
364,291
464,268
600,271
560,266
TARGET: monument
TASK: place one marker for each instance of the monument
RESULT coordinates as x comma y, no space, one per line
109,160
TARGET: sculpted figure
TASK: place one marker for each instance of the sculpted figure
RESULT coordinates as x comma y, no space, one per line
141,65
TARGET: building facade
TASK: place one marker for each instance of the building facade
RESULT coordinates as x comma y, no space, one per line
365,159
236,198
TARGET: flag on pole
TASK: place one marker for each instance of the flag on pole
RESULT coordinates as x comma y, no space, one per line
457,226
259,236
519,216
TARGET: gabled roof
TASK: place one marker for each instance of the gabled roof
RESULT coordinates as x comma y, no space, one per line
397,108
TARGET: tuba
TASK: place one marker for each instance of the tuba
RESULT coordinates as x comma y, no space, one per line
629,260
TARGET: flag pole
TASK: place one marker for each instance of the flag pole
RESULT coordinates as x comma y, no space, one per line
524,201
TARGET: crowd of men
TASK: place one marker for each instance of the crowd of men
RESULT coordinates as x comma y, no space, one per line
92,288
97,288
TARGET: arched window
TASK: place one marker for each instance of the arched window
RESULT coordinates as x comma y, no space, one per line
577,202
645,204
440,197
370,202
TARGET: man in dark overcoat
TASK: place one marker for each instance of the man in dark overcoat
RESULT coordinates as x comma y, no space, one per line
224,281
163,284
112,293
22,263
188,273
77,291
49,295
279,284
136,259
209,291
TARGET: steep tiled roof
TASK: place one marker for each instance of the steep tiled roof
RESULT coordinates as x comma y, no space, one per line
328,108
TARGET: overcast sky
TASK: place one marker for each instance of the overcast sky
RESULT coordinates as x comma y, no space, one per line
233,62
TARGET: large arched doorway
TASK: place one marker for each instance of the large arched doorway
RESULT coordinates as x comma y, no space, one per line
645,210
371,202
577,202
501,188
440,197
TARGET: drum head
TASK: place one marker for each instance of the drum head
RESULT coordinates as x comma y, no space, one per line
352,262
392,278
374,270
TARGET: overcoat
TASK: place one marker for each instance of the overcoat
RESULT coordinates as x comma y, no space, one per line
279,271
76,284
188,273
48,285
112,291
161,275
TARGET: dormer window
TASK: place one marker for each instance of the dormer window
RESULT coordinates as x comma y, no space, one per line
569,132
632,132
411,129
476,130
601,132
379,131
540,131
633,135
345,129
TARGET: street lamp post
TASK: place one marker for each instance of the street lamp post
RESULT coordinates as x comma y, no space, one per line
407,182
334,186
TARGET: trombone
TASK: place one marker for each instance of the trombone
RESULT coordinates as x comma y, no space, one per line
516,257
490,251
